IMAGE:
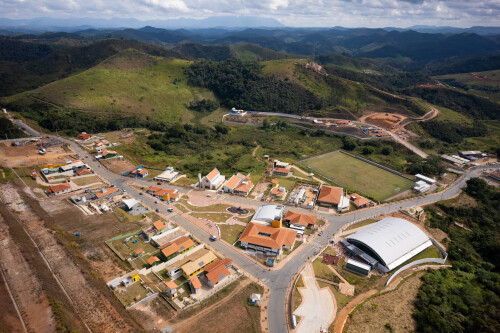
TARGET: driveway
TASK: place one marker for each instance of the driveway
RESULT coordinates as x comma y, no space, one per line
318,307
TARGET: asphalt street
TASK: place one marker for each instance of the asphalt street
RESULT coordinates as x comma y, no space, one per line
278,280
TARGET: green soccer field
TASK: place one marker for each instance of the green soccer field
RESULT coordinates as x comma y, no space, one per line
359,176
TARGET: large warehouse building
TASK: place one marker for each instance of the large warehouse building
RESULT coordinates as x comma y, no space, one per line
388,243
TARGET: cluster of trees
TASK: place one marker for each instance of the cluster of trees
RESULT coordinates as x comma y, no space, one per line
432,165
204,105
8,130
452,132
465,298
471,105
278,126
241,84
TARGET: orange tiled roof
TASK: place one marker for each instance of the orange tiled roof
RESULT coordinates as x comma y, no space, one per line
217,274
275,181
168,251
359,200
330,194
276,191
244,187
139,251
301,218
151,260
170,284
82,172
159,225
154,189
213,174
278,237
195,282
210,267
108,191
58,188
186,244
233,182
282,170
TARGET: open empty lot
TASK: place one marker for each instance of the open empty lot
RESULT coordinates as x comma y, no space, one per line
358,175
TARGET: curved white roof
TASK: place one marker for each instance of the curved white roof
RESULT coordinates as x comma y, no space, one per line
393,239
268,213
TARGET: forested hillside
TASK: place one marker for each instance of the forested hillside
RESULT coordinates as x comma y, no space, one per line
465,298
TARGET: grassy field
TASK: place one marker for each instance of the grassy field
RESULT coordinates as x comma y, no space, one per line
159,90
358,175
231,233
214,217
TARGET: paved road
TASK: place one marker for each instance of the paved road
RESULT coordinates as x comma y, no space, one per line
278,281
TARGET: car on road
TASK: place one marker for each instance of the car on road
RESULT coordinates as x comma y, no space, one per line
209,195
320,233
213,238
156,201
140,193
170,210
159,183
157,210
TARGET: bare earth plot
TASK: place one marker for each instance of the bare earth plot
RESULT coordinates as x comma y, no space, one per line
358,175
92,306
318,307
394,308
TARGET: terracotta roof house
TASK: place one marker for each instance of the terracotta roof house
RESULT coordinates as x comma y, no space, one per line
196,266
141,172
171,288
106,192
217,275
159,225
83,172
278,193
153,260
238,184
359,201
180,245
267,239
84,136
59,189
300,221
224,262
331,196
281,172
213,180
195,284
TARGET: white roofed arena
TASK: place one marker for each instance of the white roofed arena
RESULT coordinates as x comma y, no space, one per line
388,243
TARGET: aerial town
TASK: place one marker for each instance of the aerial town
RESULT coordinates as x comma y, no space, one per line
281,166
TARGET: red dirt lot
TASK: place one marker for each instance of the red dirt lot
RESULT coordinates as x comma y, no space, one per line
89,297
9,319
16,156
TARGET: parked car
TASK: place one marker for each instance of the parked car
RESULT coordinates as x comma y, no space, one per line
157,210
170,210
156,201
213,238
320,233
209,195
140,193
159,183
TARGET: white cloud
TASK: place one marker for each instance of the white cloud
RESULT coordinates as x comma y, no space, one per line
371,13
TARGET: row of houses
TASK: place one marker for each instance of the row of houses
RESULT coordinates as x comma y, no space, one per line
238,184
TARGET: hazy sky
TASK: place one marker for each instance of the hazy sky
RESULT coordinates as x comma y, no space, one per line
349,13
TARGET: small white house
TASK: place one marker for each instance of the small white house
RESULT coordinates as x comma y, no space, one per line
421,187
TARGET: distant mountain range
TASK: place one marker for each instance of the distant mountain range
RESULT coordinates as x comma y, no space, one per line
44,24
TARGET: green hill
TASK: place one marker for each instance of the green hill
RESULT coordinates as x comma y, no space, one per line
128,85
29,73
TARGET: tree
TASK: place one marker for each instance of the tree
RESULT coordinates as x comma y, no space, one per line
368,150
348,143
387,150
